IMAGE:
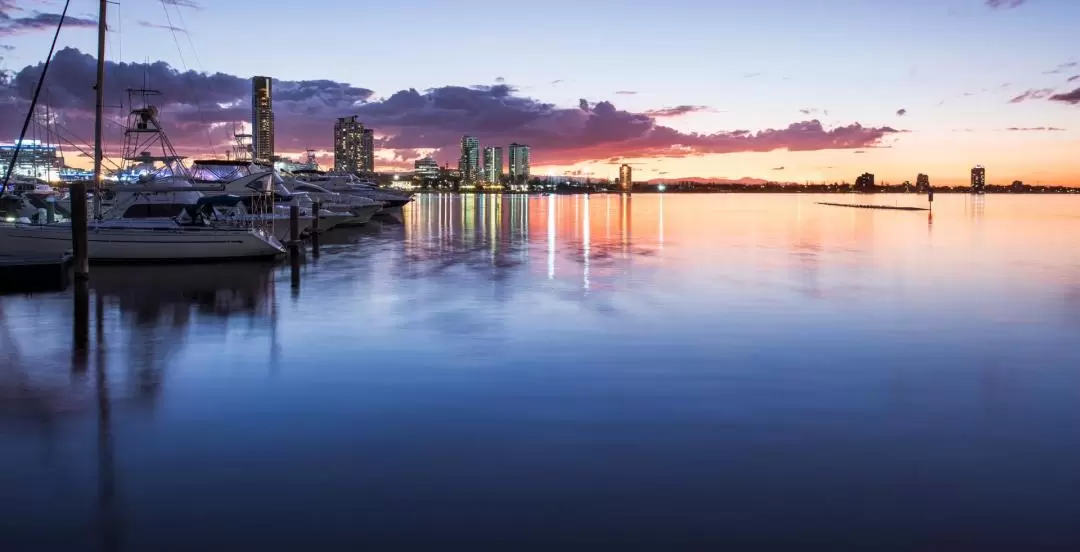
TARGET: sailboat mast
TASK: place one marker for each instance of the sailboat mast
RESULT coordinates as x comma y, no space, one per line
99,107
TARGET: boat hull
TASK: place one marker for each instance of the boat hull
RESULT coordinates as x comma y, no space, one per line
128,244
361,215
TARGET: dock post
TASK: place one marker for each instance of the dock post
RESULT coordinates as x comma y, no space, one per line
294,229
79,252
315,208
50,212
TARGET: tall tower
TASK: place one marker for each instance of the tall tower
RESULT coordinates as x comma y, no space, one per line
626,178
978,179
262,120
469,163
493,164
519,163
348,145
367,151
922,183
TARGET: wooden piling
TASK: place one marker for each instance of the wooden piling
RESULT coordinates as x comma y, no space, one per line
315,208
79,246
294,229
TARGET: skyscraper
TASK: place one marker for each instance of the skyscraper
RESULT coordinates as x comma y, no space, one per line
626,178
922,183
262,119
348,145
493,164
469,163
978,179
427,168
865,183
519,163
367,151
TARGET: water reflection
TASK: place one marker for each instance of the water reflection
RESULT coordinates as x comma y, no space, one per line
580,344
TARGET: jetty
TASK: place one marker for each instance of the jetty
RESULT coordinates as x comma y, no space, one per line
30,273
883,207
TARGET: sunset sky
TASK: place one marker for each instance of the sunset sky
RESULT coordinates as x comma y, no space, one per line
785,90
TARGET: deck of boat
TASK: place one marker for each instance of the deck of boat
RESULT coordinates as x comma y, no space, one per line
28,273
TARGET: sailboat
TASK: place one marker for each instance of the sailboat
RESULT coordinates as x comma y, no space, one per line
188,239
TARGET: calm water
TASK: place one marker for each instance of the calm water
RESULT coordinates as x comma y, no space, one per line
681,372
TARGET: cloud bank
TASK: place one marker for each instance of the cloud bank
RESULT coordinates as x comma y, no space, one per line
200,111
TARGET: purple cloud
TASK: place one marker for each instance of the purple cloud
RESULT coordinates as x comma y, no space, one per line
201,110
901,112
1072,98
1072,79
1005,4
1035,129
183,4
675,111
1032,94
160,26
625,92
36,21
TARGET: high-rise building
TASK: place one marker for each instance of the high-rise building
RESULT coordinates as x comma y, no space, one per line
626,178
262,120
367,151
978,178
519,163
348,145
493,164
427,168
469,163
922,183
865,183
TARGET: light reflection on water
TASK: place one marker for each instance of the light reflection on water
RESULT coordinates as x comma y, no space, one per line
567,372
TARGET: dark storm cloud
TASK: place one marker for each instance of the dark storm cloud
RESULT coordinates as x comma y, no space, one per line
406,120
1068,97
901,112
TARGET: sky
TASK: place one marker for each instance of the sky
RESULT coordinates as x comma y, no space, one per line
780,90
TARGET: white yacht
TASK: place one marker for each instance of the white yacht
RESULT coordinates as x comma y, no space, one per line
246,179
362,208
159,241
350,185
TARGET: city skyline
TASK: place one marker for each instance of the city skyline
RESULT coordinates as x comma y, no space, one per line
801,102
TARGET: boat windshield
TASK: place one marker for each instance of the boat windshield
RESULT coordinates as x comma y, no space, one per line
311,188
